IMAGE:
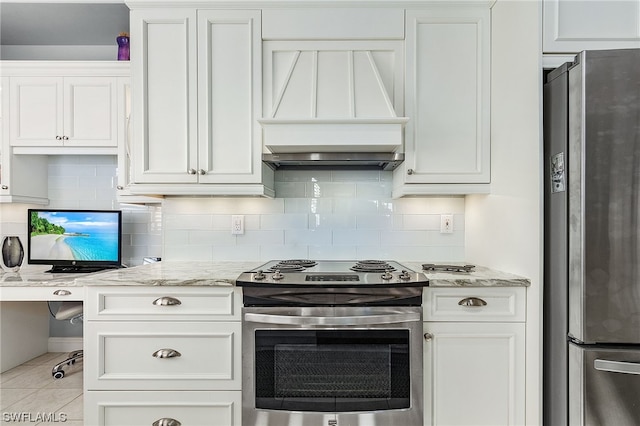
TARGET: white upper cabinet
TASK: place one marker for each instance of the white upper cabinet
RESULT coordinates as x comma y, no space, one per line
571,26
164,95
447,138
197,94
64,105
23,178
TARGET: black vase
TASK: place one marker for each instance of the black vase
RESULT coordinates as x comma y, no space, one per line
12,253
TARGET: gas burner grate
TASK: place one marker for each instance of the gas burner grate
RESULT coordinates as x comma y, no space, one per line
447,268
372,266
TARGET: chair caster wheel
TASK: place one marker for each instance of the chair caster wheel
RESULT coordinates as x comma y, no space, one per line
58,375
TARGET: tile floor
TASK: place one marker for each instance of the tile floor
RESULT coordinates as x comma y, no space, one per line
29,394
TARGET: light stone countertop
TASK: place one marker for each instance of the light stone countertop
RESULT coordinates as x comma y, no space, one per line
479,277
198,273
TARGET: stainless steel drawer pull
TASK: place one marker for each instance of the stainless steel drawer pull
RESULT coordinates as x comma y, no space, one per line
166,353
167,301
166,422
472,301
617,366
62,292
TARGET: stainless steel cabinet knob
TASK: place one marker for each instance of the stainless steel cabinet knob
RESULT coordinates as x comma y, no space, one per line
428,336
62,292
201,172
120,187
58,138
191,171
166,353
5,187
409,171
65,138
472,301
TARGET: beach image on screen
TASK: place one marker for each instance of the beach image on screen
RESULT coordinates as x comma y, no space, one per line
59,235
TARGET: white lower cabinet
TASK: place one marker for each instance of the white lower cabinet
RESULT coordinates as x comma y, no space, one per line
160,408
162,355
474,356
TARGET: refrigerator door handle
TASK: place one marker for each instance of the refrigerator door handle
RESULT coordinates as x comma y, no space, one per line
616,366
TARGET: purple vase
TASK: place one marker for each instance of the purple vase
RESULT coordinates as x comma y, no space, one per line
123,48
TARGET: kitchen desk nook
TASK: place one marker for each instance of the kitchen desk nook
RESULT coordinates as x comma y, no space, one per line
162,342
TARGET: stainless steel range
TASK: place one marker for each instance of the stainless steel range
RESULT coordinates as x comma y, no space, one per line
332,343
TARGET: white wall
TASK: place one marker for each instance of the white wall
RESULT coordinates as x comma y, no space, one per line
317,215
504,229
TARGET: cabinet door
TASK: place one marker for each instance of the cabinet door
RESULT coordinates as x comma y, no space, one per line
571,26
447,96
36,105
230,96
474,373
90,111
164,84
23,178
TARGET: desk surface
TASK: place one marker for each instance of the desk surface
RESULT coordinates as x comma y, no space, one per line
32,282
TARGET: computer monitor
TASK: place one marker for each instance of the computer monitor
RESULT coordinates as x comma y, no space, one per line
75,240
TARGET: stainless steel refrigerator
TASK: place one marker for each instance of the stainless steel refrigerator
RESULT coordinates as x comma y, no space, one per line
591,306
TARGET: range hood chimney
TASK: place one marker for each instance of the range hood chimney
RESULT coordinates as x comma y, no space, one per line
333,106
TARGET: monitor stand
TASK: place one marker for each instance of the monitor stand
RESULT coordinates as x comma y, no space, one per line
60,269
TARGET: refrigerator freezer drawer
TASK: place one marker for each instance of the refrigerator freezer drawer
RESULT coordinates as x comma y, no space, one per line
604,384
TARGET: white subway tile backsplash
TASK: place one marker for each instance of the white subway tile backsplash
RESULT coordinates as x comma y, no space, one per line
370,221
307,237
284,221
319,215
331,189
356,206
235,253
308,205
355,176
332,221
373,190
421,221
332,252
291,189
404,238
355,237
260,238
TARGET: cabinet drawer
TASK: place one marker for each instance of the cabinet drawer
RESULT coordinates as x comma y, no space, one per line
195,356
475,304
163,303
145,408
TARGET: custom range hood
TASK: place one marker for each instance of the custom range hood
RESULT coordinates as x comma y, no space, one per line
333,104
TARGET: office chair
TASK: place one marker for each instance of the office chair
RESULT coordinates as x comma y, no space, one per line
72,312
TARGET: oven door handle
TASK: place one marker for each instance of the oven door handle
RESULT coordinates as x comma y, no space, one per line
331,320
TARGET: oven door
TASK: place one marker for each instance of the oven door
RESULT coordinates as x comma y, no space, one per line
332,366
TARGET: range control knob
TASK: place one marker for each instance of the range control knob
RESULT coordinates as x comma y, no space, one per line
404,275
277,275
259,276
387,275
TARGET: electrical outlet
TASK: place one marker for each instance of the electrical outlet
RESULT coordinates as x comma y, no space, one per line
237,224
446,223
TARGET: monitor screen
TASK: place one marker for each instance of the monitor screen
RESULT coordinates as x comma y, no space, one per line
75,240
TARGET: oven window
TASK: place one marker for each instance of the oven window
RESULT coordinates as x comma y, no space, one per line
332,370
